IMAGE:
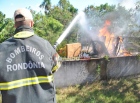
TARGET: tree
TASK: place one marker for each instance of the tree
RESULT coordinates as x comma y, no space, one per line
47,27
46,4
6,27
64,13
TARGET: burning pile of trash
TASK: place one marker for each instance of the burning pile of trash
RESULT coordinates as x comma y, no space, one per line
107,45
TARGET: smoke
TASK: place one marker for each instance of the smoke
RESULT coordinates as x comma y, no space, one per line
124,23
128,4
134,6
88,29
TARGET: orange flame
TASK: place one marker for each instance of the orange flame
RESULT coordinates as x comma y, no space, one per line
110,40
125,52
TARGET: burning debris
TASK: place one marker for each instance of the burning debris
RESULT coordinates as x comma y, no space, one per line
100,41
104,44
107,45
114,44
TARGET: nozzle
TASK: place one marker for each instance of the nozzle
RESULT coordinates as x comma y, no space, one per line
55,45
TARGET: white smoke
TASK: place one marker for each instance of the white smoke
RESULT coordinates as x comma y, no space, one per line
128,4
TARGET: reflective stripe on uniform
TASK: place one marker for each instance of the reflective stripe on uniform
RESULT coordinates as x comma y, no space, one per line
57,61
23,34
25,82
55,68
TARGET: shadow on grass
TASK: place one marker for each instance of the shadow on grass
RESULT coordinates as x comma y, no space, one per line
111,91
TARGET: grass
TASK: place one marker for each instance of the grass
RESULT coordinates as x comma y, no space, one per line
111,91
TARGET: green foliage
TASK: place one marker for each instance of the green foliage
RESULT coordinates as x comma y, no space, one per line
47,5
98,69
47,27
106,57
105,8
138,56
64,13
64,16
6,27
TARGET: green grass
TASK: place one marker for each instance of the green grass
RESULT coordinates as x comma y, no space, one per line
112,91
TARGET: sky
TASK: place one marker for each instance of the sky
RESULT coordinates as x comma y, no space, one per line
9,6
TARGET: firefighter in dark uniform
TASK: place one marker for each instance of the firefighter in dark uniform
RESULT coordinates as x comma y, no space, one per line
27,64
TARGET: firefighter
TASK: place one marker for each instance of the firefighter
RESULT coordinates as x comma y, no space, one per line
27,64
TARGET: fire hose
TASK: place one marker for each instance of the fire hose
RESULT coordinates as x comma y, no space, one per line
66,32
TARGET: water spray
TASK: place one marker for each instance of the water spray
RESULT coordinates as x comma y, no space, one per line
65,33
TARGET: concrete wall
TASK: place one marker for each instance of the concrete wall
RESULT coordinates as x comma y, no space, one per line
123,66
83,71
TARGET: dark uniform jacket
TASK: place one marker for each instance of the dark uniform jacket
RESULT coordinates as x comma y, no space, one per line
27,63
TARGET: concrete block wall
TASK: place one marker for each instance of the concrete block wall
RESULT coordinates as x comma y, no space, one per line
85,71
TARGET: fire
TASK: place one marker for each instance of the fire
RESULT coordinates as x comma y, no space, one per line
112,43
108,38
125,52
